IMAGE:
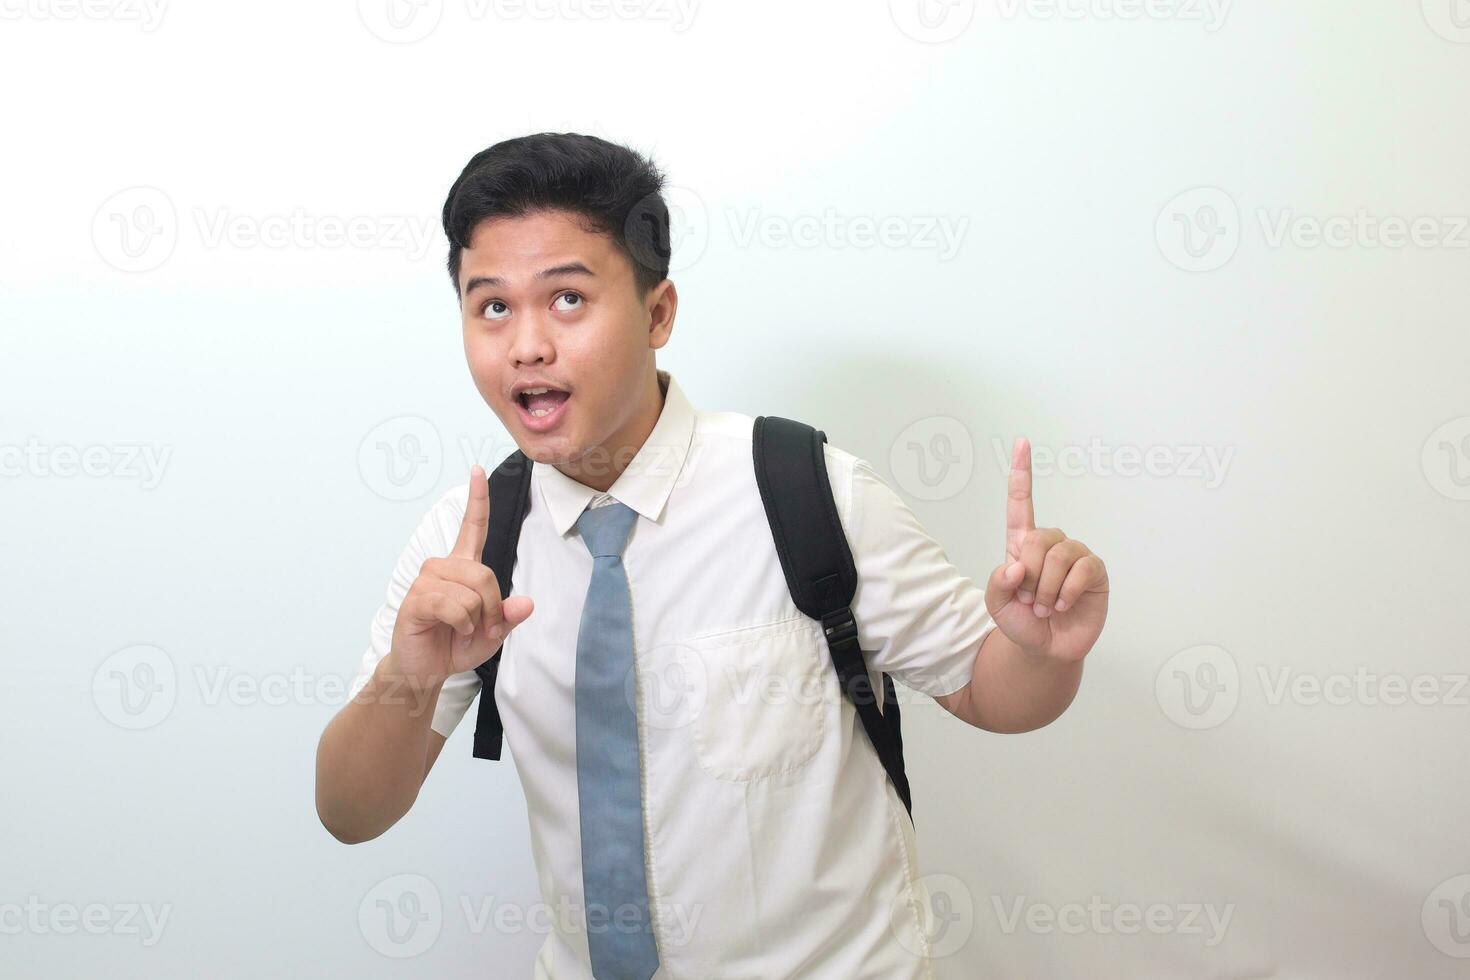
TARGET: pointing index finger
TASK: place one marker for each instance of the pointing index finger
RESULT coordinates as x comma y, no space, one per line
476,525
1019,515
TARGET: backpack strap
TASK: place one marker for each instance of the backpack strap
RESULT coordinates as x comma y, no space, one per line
791,471
510,497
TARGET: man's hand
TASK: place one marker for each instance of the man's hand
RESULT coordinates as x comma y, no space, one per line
452,618
1050,595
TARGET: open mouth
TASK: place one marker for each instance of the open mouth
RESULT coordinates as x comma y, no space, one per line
542,408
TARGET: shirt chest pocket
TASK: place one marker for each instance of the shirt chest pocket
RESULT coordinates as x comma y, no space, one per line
766,692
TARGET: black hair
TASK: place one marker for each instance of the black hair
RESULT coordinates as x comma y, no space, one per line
615,190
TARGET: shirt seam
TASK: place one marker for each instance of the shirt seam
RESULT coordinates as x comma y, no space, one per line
655,893
908,875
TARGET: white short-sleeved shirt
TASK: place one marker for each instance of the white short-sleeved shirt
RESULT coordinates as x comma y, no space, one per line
775,844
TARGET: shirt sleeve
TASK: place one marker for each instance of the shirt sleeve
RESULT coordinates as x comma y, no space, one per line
919,617
433,538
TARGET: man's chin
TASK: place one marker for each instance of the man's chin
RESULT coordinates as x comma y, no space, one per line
550,455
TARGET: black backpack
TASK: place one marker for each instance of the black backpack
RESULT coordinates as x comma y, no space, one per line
791,471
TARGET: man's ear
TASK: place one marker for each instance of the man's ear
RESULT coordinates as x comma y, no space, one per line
662,302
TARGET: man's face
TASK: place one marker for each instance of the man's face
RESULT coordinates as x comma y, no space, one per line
545,301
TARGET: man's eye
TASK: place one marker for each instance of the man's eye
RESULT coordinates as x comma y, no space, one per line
495,310
575,298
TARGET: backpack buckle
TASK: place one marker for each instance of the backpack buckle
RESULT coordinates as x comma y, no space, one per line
839,626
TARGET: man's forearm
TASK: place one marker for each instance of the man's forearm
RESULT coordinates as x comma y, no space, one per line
371,759
1013,691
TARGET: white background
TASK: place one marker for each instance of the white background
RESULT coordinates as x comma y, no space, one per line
1135,286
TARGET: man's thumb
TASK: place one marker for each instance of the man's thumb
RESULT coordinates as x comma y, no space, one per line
1003,583
516,609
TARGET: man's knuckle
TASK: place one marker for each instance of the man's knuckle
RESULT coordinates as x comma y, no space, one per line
1059,554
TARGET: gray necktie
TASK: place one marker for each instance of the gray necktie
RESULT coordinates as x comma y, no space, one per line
610,802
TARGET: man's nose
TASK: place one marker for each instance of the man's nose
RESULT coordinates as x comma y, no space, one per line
532,341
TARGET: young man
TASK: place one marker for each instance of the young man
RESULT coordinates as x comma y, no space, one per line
747,829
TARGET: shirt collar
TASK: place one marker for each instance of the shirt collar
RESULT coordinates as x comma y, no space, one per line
650,476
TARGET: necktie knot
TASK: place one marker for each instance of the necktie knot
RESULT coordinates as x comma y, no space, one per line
604,530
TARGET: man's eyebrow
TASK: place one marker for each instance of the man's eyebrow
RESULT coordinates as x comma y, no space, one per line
565,269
